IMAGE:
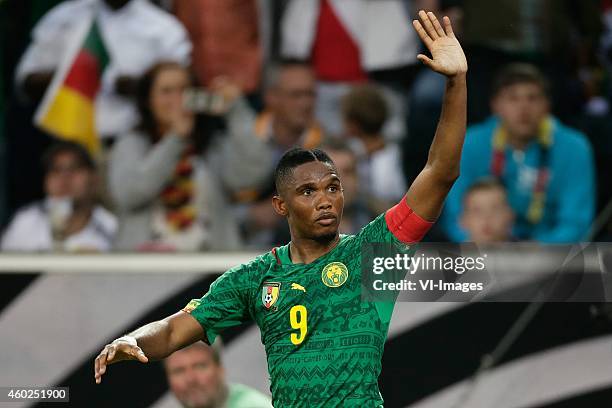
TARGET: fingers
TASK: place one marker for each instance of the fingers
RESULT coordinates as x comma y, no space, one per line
436,24
426,60
448,26
227,88
429,28
428,25
140,355
96,368
422,33
114,352
103,356
111,353
100,365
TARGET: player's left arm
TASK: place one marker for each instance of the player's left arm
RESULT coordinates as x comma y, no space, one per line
427,193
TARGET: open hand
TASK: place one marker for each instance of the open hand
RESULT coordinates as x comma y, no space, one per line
124,348
448,58
227,90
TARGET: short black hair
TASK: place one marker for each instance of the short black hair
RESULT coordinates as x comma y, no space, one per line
294,158
65,146
519,73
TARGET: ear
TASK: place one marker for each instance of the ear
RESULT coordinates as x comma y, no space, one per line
96,184
547,102
279,205
270,98
462,220
494,104
511,214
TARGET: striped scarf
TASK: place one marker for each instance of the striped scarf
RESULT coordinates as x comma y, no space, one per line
538,197
177,198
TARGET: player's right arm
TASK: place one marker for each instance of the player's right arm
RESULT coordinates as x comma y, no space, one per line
227,303
155,341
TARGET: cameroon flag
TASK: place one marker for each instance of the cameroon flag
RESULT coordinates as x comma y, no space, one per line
67,110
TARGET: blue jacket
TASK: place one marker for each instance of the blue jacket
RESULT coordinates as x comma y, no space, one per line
570,195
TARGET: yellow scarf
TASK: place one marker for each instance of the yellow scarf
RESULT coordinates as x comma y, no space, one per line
538,198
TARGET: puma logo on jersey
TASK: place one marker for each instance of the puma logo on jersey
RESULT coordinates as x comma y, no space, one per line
297,286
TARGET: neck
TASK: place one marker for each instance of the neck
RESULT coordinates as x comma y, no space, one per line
78,220
163,129
284,134
221,399
306,250
373,143
518,143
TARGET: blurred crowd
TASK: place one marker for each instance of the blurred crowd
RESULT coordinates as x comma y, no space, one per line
200,98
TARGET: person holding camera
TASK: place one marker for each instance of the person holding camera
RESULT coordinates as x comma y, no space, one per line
172,176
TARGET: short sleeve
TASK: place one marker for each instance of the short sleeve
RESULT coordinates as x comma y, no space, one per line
226,304
389,235
174,43
49,39
399,223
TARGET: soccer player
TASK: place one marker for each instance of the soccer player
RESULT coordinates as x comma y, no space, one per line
323,343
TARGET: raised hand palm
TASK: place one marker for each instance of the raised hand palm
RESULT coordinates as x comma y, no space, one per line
447,55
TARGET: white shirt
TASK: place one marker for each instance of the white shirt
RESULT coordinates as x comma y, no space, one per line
380,28
30,231
381,173
137,36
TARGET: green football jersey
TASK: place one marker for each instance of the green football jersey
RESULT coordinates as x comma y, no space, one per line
323,343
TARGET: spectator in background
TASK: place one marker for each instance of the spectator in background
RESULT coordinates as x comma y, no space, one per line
171,177
137,34
226,36
487,217
546,167
196,377
288,118
351,41
68,219
559,37
287,121
364,113
355,214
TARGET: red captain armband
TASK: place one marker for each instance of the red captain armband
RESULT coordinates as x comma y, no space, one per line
404,224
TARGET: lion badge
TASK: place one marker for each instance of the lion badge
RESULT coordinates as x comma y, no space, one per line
334,274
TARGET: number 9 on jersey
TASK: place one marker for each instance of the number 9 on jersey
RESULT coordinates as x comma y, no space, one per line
298,317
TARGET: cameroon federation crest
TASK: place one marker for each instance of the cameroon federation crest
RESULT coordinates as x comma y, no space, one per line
334,274
269,294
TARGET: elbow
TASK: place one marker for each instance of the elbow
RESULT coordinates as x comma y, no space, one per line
452,175
449,180
128,201
130,193
446,175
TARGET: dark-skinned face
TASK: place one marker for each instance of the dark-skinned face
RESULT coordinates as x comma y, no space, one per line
312,201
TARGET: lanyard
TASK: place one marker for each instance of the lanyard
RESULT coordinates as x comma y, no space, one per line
498,164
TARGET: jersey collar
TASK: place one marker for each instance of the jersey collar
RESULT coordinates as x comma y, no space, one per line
282,255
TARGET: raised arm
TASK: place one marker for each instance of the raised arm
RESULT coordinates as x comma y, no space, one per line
427,193
154,341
